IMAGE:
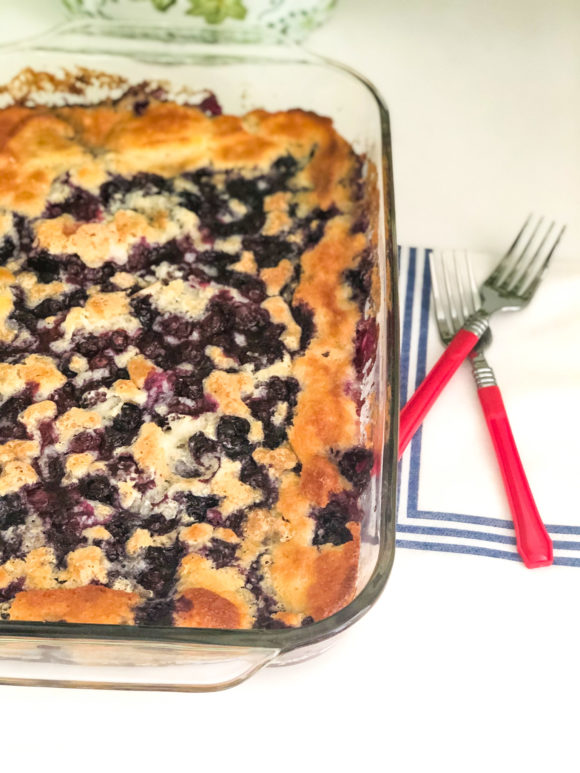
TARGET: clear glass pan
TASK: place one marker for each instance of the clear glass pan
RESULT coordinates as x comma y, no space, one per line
243,78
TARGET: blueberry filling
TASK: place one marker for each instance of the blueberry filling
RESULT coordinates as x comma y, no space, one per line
52,471
331,525
81,204
123,467
128,420
26,236
7,249
256,476
144,311
221,553
266,605
98,488
210,106
304,318
50,307
121,526
213,209
365,345
10,426
65,515
356,465
205,455
145,257
359,279
275,391
270,250
85,441
13,511
11,589
46,268
197,508
161,569
155,612
232,434
250,287
159,524
146,183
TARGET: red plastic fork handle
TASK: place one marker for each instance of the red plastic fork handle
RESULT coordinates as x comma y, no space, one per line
532,539
418,406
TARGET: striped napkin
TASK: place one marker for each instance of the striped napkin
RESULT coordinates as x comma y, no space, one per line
451,495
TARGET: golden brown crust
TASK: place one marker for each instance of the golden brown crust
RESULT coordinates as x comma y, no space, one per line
36,369
202,608
315,582
326,415
15,475
280,459
333,581
36,146
139,368
196,572
36,413
89,604
74,421
275,278
228,390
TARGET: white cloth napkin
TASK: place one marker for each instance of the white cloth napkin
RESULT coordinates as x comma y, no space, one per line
451,495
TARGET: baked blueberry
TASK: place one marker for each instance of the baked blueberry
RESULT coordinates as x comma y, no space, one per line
197,507
98,488
12,511
7,249
331,526
232,433
356,465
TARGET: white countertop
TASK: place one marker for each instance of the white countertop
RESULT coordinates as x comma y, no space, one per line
485,110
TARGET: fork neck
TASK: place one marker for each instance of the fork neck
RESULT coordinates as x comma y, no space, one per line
484,375
477,323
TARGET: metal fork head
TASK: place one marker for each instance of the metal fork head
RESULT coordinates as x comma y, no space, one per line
455,293
517,276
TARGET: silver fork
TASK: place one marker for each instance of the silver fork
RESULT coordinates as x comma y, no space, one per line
456,299
510,286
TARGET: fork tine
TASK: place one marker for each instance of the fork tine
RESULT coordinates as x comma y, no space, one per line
519,236
466,286
504,262
509,278
514,283
455,323
475,296
463,310
443,323
532,279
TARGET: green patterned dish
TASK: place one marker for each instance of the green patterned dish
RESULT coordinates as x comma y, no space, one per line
216,20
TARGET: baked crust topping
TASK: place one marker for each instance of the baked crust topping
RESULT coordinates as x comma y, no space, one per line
182,344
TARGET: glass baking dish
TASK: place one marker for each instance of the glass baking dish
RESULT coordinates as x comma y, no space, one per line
243,78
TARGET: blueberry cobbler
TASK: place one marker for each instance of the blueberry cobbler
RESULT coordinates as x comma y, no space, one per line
182,342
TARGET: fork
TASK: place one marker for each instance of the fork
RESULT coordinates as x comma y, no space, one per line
533,542
510,286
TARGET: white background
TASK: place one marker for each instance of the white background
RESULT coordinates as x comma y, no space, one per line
443,674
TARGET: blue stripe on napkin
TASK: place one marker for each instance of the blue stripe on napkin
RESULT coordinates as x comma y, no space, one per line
440,531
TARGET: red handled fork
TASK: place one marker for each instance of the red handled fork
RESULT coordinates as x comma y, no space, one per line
456,298
510,286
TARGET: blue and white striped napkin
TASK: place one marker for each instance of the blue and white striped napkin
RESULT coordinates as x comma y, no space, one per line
451,496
